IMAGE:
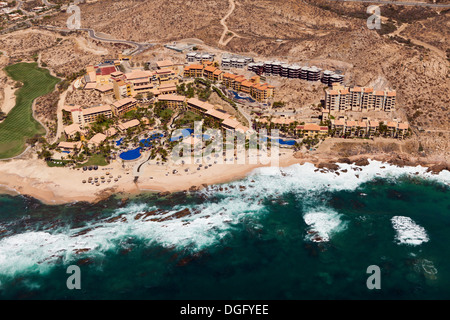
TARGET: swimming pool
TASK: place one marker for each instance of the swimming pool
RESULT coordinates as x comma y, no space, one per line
119,142
280,141
237,96
131,154
147,142
184,133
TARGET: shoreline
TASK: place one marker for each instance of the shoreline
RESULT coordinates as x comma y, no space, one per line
56,186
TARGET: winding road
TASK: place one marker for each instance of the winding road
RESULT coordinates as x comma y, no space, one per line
139,46
225,27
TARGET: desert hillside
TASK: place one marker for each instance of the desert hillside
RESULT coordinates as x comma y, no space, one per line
409,54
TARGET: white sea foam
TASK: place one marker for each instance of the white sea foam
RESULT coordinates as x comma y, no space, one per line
408,232
323,224
37,251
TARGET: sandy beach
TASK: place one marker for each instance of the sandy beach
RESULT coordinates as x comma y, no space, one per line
55,185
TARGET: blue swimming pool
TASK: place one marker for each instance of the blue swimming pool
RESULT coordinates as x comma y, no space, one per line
131,154
119,142
184,133
147,142
280,141
237,96
285,142
65,151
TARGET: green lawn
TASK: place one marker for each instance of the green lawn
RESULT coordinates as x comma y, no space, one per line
20,124
94,160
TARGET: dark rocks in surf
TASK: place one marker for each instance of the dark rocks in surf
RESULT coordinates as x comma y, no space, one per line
437,168
118,218
79,251
362,162
328,165
345,160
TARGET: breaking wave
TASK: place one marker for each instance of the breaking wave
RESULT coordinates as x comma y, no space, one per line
195,227
408,232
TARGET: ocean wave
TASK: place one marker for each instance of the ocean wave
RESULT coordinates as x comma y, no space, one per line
205,224
323,224
199,227
408,232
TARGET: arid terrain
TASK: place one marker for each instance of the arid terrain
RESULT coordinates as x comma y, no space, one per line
410,53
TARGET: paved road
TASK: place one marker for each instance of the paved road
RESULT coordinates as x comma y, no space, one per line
139,46
48,4
240,109
400,3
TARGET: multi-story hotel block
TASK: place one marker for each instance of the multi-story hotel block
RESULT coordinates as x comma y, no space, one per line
89,115
312,129
352,128
341,98
198,106
193,71
260,92
172,100
124,105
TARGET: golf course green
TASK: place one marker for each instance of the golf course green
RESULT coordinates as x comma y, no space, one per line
20,124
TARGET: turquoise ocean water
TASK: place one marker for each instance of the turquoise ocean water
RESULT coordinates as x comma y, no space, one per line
294,233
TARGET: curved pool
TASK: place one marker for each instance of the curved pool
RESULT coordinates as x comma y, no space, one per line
184,133
237,96
131,154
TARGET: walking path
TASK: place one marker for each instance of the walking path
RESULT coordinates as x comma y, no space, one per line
418,42
226,30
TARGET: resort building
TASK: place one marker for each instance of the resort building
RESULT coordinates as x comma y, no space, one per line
72,130
341,98
97,139
167,89
198,106
208,72
281,122
166,76
69,146
368,129
164,64
89,115
124,105
193,71
100,73
261,92
218,115
312,129
172,101
111,132
127,125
